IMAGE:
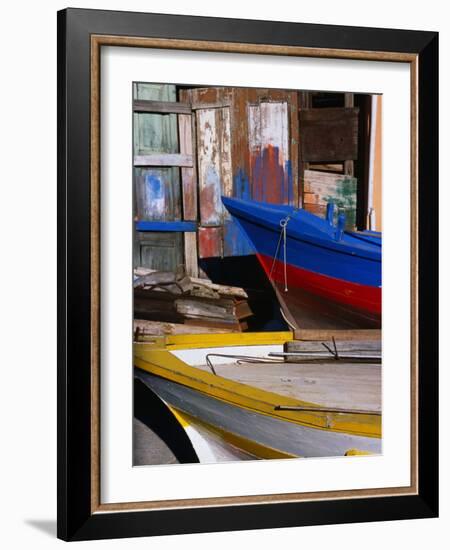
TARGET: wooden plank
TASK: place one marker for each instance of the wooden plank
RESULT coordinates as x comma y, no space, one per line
294,136
164,159
214,163
195,308
225,156
338,168
190,254
208,151
213,322
195,106
349,165
188,176
148,106
186,130
338,335
210,244
159,328
329,134
304,102
343,385
268,138
324,182
341,345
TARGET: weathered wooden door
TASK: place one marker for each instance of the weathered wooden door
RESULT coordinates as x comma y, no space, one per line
247,142
157,188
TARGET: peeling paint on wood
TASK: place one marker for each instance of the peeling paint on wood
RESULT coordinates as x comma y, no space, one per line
157,189
164,159
186,130
268,138
268,125
210,242
214,163
157,194
320,188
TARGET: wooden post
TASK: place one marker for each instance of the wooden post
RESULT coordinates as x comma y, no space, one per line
304,102
349,167
189,192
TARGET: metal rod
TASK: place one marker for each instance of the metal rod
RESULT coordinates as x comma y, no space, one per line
320,355
325,410
239,359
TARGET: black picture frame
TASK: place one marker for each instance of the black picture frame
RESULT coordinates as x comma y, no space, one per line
76,519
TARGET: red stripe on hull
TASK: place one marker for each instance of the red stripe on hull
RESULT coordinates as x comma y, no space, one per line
361,297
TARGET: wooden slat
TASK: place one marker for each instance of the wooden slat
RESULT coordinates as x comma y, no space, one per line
186,131
163,159
268,138
213,163
158,328
210,242
349,165
190,254
352,346
189,184
161,107
214,105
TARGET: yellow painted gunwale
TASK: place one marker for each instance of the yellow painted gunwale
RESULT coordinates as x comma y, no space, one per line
197,341
156,359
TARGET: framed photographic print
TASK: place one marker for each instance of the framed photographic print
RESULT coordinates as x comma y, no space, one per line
247,274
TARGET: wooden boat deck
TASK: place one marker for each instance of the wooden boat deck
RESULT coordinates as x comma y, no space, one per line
349,386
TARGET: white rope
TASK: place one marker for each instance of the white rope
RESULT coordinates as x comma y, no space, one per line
293,327
283,235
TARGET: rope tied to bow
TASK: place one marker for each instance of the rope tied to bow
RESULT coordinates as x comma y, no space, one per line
282,237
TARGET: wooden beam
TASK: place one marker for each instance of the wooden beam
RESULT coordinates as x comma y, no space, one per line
349,165
186,131
163,159
215,105
161,107
325,335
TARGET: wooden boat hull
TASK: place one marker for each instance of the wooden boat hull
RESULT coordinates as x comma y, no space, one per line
259,435
344,272
262,419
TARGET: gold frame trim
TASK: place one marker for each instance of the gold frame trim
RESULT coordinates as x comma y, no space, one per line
97,41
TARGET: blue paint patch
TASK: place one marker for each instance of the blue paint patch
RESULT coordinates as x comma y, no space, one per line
155,195
235,241
241,185
289,182
166,226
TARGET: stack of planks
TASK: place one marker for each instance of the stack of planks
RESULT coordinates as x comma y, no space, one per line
167,302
